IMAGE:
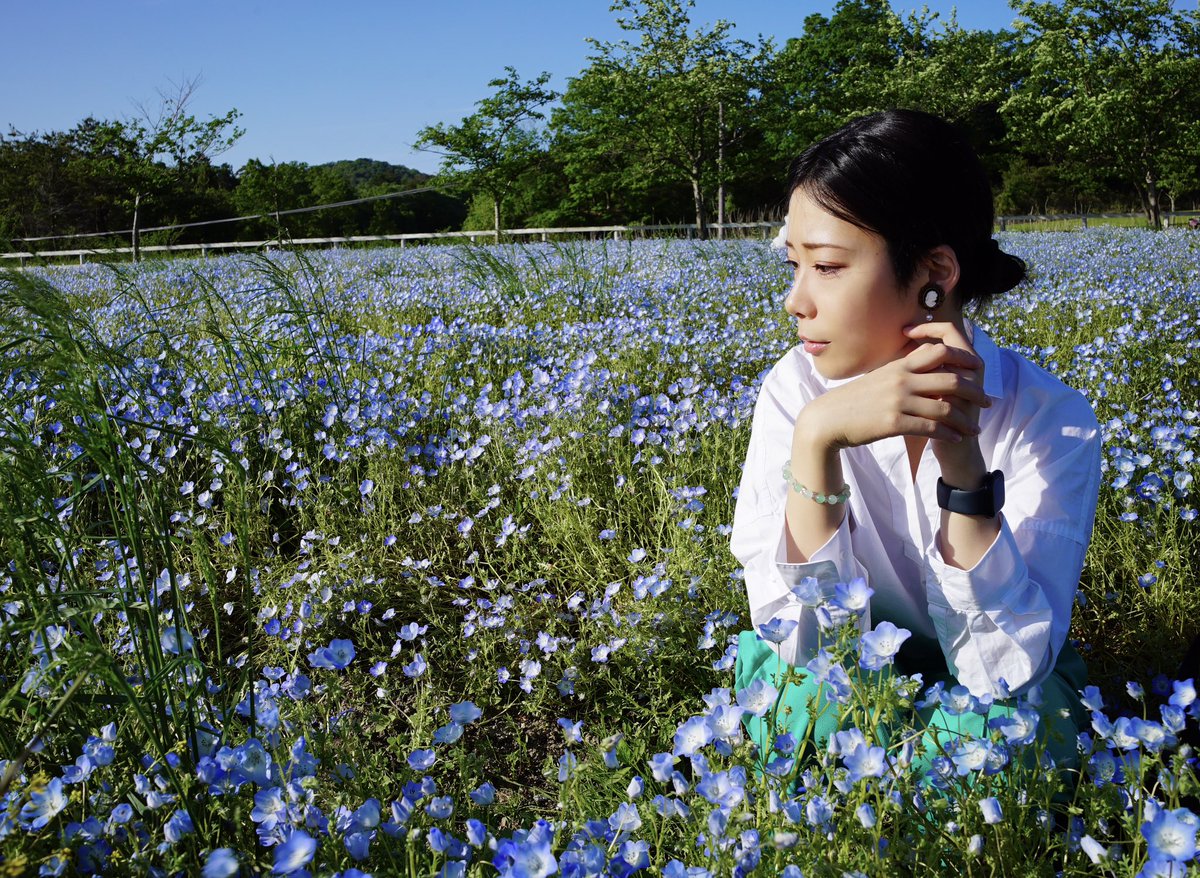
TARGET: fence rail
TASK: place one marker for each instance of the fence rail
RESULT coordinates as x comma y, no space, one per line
617,232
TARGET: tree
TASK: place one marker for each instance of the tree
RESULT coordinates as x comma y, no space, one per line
1112,84
488,150
670,107
835,70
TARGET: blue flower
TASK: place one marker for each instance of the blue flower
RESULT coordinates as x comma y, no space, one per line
294,853
465,712
879,647
991,810
854,595
1171,835
421,760
625,819
43,805
337,656
777,630
484,794
220,863
865,761
692,736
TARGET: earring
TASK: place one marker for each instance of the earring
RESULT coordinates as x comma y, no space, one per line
931,299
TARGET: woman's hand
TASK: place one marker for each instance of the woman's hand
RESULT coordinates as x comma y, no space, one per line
935,391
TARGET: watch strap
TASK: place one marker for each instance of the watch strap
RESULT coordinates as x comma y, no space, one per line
986,500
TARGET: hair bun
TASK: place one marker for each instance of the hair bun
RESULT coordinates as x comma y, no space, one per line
1001,271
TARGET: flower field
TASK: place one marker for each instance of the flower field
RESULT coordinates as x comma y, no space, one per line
417,562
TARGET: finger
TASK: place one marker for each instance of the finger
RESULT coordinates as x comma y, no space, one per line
942,331
948,384
931,355
943,412
929,428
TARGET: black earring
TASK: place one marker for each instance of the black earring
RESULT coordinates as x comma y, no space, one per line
931,298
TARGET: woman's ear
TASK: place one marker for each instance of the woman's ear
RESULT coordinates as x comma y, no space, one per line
943,269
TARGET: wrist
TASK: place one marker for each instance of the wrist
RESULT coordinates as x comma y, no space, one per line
964,470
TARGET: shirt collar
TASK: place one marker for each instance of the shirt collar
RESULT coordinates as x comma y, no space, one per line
993,380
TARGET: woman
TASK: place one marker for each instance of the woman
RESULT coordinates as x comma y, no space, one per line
899,444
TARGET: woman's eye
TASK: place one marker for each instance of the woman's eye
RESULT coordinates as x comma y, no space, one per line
821,268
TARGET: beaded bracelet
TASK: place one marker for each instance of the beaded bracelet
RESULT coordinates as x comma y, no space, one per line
831,499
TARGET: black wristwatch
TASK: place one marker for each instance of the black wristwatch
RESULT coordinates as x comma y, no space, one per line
987,500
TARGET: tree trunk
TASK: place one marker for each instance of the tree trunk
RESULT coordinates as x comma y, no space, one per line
721,170
1153,208
137,244
698,197
496,216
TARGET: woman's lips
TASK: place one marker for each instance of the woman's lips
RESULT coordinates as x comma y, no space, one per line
814,347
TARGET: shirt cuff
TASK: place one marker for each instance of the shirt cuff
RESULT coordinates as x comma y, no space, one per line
996,576
824,564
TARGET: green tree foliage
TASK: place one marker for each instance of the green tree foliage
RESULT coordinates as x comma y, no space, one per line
669,109
488,150
1112,86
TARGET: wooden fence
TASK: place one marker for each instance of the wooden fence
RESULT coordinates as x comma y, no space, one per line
621,232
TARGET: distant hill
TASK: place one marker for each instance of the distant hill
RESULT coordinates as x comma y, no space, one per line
370,172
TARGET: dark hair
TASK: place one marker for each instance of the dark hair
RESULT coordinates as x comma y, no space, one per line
912,179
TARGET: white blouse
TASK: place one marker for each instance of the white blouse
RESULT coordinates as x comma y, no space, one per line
1006,618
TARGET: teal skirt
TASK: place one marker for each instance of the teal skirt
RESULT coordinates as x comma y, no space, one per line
803,709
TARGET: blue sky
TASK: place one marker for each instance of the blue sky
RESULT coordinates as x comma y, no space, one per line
316,82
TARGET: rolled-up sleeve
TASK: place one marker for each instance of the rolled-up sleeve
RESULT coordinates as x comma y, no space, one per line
759,539
1003,622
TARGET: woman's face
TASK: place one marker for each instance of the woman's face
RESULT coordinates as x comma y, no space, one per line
849,308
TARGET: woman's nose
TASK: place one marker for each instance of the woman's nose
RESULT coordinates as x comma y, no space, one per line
796,303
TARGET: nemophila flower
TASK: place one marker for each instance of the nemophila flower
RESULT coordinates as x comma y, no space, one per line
43,805
421,760
866,815
269,809
808,592
725,720
662,765
758,697
1095,851
294,852
1171,835
530,857
854,595
440,807
958,701
337,656
970,755
252,763
566,766
692,736
1019,727
176,640
1183,693
725,789
878,647
484,794
572,731
465,712
448,733
975,845
607,534
416,667
636,787
177,826
220,863
865,761
991,810
1092,699
777,630
833,677
818,812
626,819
